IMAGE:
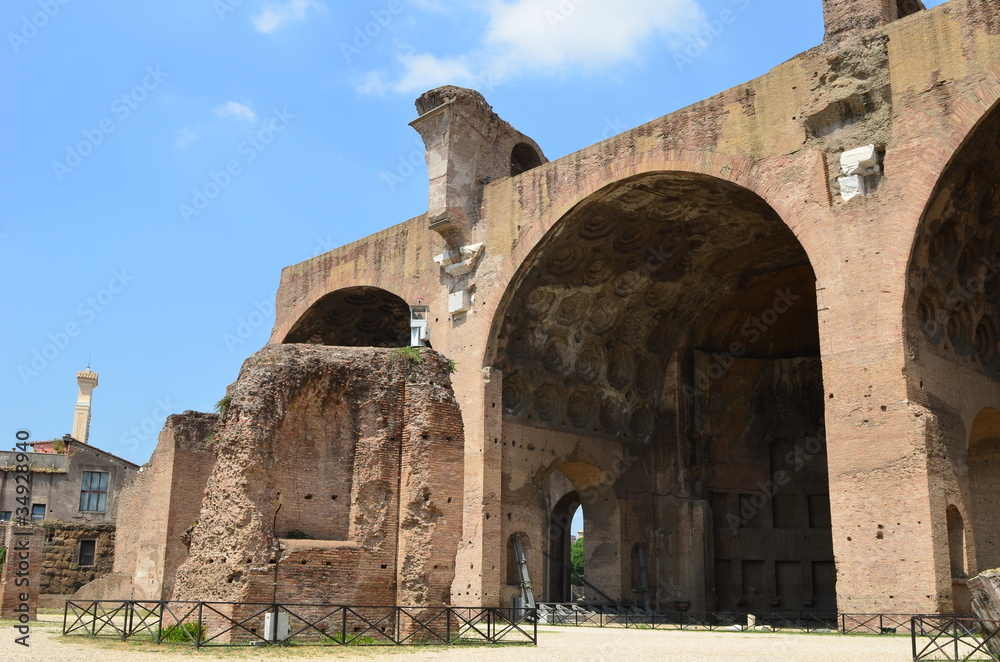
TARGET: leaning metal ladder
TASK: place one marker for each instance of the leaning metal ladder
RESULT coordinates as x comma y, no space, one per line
522,573
643,587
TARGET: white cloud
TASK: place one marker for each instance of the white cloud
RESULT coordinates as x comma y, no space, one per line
545,37
185,136
277,15
240,111
425,72
588,35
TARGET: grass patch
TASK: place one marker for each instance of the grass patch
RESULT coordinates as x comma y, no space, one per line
339,638
183,633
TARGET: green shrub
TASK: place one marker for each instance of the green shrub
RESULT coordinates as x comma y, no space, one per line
222,406
182,633
576,560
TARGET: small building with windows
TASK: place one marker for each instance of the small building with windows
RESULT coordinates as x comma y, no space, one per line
73,491
71,481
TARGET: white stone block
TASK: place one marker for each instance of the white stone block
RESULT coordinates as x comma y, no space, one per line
860,161
459,302
851,187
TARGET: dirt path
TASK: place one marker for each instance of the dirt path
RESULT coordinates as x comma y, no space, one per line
555,645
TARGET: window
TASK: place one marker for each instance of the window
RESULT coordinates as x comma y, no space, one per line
4,515
88,549
94,493
37,511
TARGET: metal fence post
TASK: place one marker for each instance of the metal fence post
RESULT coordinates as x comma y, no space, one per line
159,625
197,634
128,618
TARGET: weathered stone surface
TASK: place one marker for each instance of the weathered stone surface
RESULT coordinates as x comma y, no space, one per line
985,589
158,506
621,285
364,448
62,573
775,392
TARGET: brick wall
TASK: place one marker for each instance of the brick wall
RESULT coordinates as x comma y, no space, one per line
377,430
21,573
62,573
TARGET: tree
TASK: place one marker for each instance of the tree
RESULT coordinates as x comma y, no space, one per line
576,560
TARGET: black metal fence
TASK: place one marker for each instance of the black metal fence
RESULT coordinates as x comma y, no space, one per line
689,620
201,624
955,639
575,615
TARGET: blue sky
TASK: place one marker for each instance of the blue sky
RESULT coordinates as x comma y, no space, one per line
164,161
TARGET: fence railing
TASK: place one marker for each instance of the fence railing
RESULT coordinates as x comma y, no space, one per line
201,624
578,615
954,639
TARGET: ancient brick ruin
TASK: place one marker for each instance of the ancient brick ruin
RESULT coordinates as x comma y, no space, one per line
756,339
362,451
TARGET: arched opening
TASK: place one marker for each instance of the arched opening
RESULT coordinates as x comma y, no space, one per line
904,8
953,301
355,317
956,543
560,556
523,158
666,329
952,320
984,490
956,553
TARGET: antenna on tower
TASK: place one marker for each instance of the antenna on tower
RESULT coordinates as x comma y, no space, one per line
90,355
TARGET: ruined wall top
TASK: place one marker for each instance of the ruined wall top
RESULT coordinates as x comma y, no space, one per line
846,17
468,146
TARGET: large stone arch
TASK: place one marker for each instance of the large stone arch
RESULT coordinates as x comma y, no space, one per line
983,501
644,328
354,317
951,330
535,224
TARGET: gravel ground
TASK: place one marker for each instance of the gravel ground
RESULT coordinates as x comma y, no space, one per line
555,645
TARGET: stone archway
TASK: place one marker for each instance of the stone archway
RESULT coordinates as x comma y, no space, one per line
984,492
354,317
952,334
666,327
